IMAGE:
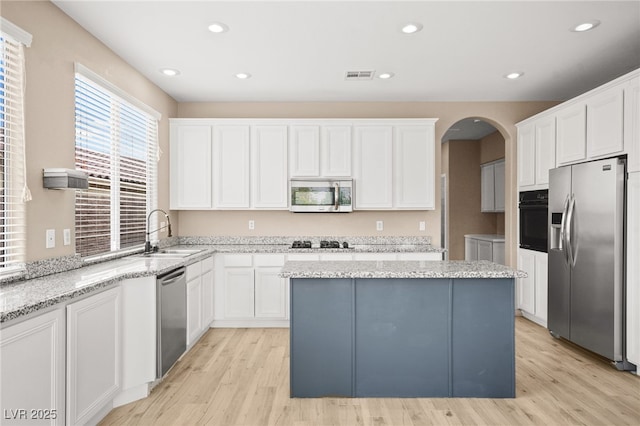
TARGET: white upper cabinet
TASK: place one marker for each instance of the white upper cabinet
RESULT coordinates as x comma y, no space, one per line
414,167
335,150
526,155
604,123
304,160
394,165
373,167
239,164
190,151
269,167
572,134
231,166
599,123
322,150
536,152
545,149
632,123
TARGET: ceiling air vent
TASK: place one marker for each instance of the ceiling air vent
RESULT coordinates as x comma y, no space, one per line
358,75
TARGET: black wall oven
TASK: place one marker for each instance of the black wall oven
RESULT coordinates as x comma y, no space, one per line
533,219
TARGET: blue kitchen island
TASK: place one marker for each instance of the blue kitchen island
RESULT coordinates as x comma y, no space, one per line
402,329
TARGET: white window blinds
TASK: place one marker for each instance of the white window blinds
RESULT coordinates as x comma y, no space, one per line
13,189
117,145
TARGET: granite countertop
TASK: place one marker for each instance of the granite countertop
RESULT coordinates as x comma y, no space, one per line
356,248
494,238
23,297
399,269
27,296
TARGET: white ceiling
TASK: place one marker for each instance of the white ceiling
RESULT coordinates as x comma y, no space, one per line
300,50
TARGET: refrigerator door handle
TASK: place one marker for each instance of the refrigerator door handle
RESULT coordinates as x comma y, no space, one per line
563,230
571,253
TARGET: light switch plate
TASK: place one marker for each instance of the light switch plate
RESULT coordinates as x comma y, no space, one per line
50,241
252,224
67,236
379,225
422,225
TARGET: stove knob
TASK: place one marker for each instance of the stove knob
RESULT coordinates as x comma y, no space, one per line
345,245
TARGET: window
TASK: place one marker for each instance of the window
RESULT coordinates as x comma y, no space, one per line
117,145
13,190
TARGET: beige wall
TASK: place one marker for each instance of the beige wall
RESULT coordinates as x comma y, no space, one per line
502,115
463,176
461,162
58,42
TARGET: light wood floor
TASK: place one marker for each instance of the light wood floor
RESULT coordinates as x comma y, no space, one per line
241,377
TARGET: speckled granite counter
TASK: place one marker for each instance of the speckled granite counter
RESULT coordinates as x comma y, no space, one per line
398,269
23,297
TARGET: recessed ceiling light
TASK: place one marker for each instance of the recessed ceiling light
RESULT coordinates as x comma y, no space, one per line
218,27
412,27
169,72
513,75
586,26
243,75
385,75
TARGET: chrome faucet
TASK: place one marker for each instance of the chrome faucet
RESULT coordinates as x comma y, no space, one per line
147,243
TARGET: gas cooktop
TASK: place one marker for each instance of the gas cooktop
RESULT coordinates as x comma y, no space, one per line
323,244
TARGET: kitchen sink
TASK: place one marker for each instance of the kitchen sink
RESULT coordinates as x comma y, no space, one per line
169,252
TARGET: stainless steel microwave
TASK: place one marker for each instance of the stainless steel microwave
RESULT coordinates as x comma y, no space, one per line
321,195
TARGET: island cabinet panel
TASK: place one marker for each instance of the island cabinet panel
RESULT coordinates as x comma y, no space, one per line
388,315
402,337
483,346
321,351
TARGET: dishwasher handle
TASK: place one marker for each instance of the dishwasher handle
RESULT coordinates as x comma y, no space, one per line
171,277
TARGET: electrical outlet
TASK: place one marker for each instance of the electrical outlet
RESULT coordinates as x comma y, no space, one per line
50,241
422,225
379,225
66,233
252,225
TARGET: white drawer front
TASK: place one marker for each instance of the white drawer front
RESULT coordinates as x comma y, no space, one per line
268,259
194,270
237,260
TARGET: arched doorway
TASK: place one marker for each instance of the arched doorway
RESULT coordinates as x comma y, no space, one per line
467,145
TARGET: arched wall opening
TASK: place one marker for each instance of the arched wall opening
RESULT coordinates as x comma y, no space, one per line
466,145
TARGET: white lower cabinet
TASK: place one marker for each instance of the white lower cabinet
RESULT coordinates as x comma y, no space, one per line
531,292
270,293
194,310
32,355
199,299
93,355
249,292
139,348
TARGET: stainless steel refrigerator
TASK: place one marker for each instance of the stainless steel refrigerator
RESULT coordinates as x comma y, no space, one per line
586,256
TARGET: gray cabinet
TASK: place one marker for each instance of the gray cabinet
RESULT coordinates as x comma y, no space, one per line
492,186
388,313
321,338
381,337
484,247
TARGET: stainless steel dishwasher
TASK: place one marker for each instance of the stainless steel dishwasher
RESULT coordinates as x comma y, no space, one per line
172,318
